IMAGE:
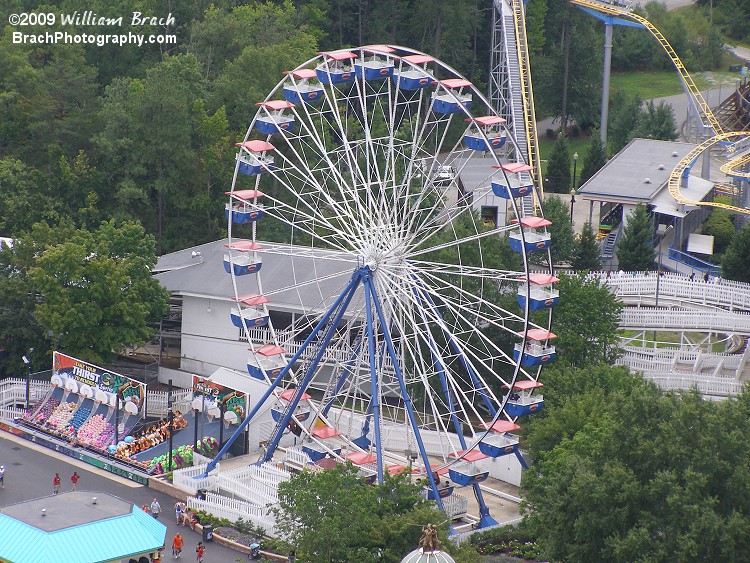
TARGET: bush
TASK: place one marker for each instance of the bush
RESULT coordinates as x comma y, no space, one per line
550,133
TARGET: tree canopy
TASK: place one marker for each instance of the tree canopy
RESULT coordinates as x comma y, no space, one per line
558,177
736,262
627,472
586,250
334,516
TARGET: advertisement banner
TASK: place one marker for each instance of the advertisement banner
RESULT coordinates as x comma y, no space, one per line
213,398
97,383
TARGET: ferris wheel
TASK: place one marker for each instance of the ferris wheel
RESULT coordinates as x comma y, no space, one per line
400,196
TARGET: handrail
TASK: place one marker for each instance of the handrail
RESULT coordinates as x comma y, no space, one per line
527,95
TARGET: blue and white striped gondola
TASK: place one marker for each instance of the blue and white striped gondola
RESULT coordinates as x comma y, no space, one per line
275,120
533,240
515,186
537,351
300,90
252,157
336,68
246,262
244,207
413,76
522,401
268,360
541,294
316,451
375,66
465,473
445,101
251,312
486,133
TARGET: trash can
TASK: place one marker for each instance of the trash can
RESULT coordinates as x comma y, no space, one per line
208,533
201,494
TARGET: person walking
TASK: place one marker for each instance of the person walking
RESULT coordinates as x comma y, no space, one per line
155,509
74,479
178,511
177,545
56,483
199,551
2,476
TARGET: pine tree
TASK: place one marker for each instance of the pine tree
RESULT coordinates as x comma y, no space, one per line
558,167
595,158
635,251
586,252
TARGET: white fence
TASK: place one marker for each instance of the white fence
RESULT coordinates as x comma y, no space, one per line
233,510
632,287
679,319
186,479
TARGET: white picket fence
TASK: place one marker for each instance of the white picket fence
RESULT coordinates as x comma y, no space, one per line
233,510
186,479
679,319
256,484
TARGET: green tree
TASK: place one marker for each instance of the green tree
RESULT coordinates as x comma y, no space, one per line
562,246
586,252
94,290
719,225
557,178
594,159
586,321
635,251
657,122
335,516
621,473
736,262
624,114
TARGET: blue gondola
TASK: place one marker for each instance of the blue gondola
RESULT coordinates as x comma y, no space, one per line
275,121
335,70
374,66
536,352
485,134
412,74
243,206
522,401
252,317
444,492
300,90
252,159
541,294
498,445
534,241
515,186
316,452
446,102
467,473
300,414
267,360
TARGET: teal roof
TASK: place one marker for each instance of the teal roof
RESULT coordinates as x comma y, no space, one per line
120,530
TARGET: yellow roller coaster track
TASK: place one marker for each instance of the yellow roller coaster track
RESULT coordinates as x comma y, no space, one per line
527,94
687,161
732,168
707,116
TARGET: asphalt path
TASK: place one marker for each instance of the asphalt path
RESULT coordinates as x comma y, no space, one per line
29,470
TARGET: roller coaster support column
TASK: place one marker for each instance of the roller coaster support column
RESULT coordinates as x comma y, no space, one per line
608,21
605,86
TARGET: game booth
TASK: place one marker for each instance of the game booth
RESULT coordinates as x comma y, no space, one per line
94,410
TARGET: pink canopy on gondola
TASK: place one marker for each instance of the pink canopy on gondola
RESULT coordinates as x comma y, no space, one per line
540,279
455,83
502,426
361,458
378,49
487,120
268,350
256,146
302,73
525,385
538,334
339,55
244,245
251,299
245,195
418,59
533,222
471,455
276,104
289,394
325,432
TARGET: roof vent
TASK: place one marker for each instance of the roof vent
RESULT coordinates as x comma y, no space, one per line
674,153
661,167
647,181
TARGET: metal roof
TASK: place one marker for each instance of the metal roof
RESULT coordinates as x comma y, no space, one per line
288,280
75,529
636,173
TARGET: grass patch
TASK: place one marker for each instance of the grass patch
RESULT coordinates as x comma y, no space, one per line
650,84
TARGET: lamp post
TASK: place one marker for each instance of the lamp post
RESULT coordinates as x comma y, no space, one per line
572,203
575,165
27,361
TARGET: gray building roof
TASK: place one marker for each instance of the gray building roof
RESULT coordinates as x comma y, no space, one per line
305,279
636,173
73,528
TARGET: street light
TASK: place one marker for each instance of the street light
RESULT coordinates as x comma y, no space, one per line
27,361
572,203
575,165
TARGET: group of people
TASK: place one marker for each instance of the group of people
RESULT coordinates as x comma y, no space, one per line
56,481
183,515
178,542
